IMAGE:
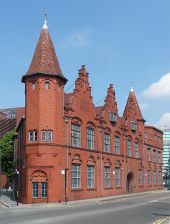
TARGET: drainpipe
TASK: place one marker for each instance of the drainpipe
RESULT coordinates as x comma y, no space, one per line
101,173
66,169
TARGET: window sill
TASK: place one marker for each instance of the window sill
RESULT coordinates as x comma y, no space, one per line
108,188
93,189
77,189
118,187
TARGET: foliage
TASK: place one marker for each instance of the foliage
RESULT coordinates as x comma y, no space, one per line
6,153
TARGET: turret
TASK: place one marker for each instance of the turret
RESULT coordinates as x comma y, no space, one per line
44,90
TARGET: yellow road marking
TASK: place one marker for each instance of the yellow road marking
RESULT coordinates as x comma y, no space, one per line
159,221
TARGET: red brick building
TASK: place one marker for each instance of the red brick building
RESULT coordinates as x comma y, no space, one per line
100,152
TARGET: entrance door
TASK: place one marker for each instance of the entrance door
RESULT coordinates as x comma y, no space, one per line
130,182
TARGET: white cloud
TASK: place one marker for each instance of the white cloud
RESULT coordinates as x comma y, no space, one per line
164,120
159,89
78,38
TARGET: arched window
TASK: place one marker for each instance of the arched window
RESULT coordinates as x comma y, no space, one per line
39,184
49,135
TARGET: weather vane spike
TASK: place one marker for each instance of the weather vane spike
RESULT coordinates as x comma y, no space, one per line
45,22
131,88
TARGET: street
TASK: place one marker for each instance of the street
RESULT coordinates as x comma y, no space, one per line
142,209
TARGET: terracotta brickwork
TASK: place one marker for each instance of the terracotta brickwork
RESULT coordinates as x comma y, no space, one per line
105,153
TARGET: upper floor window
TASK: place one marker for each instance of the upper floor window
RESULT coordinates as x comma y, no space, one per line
133,126
112,117
90,138
49,136
47,85
136,150
33,136
129,147
148,154
33,85
90,176
117,145
75,135
107,142
159,157
44,135
154,155
76,175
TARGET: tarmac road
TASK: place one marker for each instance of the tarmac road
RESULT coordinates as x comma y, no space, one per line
141,209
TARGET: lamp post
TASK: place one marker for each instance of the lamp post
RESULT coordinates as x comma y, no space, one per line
66,169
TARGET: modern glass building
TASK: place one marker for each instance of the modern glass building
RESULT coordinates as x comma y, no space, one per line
166,155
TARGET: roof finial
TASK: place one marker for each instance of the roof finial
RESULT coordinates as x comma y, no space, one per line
131,88
45,22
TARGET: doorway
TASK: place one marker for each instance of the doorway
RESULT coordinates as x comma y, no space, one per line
130,182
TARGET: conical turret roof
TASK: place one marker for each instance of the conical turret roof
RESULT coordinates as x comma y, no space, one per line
44,60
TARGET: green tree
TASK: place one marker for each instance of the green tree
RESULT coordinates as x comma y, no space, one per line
6,153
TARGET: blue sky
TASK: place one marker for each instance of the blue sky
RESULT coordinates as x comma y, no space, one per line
119,41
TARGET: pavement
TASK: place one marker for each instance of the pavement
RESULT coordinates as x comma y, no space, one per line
8,201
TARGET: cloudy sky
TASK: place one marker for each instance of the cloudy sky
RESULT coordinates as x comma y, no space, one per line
119,41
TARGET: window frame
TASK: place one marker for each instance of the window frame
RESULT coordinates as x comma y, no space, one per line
76,177
117,177
90,174
107,142
76,135
117,145
90,138
107,176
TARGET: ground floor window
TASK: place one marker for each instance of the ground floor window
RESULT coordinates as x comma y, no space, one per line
44,189
117,176
107,176
140,177
154,177
159,177
39,189
35,189
90,176
149,177
76,176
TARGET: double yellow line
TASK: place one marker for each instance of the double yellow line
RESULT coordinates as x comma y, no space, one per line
159,221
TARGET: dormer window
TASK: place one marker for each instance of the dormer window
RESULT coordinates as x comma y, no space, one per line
133,126
33,85
112,117
47,85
